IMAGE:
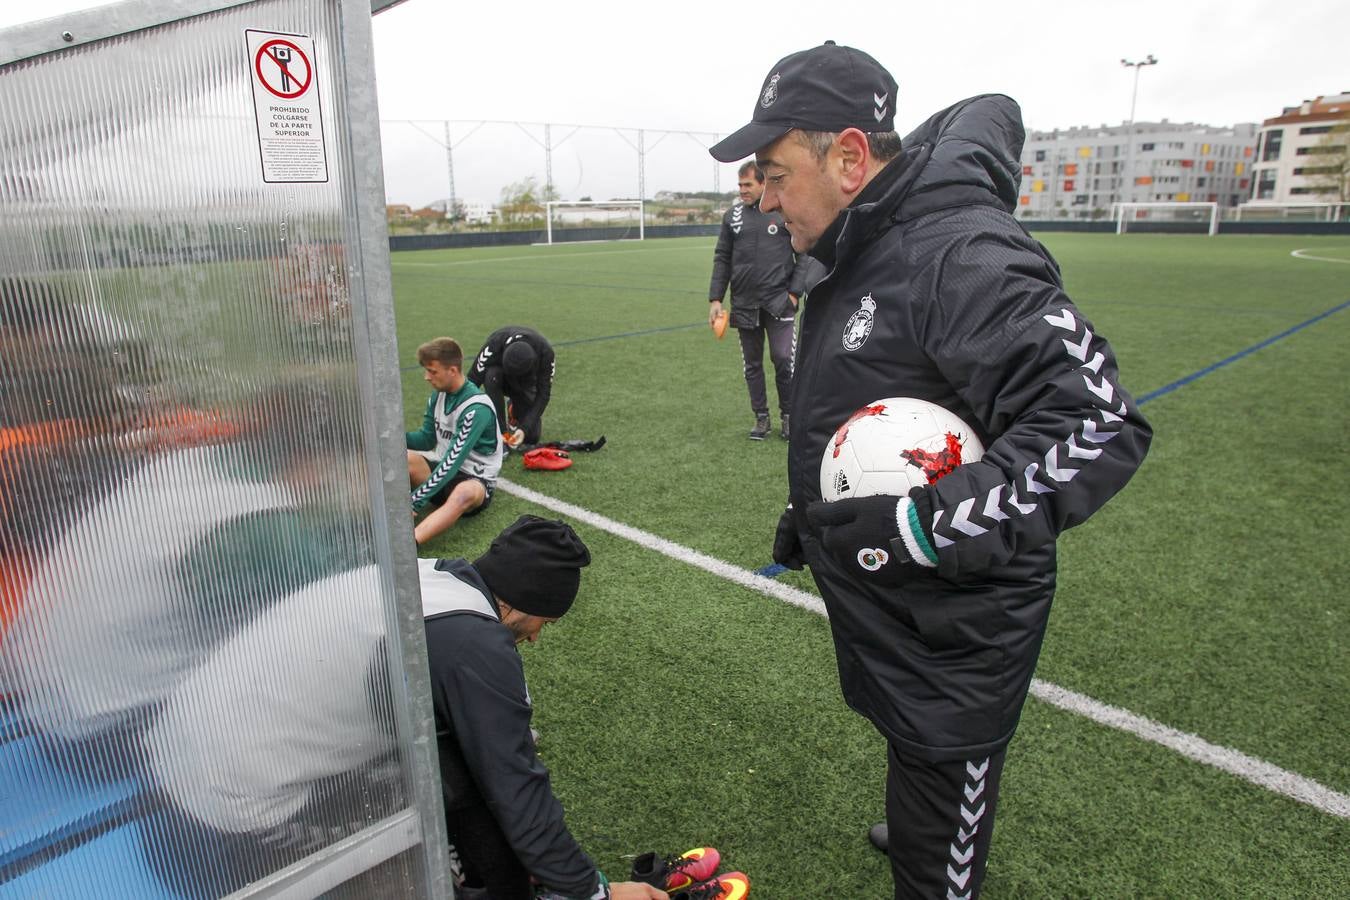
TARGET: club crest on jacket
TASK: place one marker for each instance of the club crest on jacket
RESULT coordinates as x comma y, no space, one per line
859,324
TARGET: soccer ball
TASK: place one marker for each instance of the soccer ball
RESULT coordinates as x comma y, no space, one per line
893,445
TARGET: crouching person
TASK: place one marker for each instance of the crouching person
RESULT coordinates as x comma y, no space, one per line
503,820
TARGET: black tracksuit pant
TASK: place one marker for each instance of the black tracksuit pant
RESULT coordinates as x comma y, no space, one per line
941,819
781,334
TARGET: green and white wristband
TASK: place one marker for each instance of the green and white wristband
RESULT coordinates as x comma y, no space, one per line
915,541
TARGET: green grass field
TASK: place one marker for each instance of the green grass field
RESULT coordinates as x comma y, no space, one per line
679,709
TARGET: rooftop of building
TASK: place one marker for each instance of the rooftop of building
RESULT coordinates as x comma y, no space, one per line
1320,109
1242,129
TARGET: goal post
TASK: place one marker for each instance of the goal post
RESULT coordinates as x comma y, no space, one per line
1293,211
1178,216
569,221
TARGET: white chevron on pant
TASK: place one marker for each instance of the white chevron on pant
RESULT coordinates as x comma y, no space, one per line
963,849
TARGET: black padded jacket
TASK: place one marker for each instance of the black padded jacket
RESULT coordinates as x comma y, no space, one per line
935,291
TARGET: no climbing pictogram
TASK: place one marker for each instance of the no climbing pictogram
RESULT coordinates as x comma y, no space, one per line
283,68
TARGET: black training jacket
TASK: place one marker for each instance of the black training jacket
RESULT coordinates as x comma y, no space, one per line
479,694
935,291
754,256
540,384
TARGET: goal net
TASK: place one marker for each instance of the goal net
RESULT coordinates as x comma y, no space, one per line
594,220
1174,218
1265,211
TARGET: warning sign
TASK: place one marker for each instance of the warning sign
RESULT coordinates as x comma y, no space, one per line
286,104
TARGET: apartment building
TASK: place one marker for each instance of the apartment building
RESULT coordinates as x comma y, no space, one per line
1298,148
1078,173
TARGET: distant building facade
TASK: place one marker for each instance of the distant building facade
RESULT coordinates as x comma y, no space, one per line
478,212
1078,173
1294,152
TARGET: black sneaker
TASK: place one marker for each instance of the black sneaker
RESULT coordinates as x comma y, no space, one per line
761,429
784,429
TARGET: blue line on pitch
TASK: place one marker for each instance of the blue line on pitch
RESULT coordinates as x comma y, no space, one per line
610,337
774,570
603,337
1167,389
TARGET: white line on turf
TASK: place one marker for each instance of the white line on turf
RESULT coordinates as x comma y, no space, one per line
1248,768
1303,254
785,592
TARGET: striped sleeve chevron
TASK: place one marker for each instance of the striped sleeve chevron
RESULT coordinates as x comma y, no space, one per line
450,463
1061,462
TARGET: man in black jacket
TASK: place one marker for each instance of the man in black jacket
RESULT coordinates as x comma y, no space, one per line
515,368
251,781
933,291
754,256
503,819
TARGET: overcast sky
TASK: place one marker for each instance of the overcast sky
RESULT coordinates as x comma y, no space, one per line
697,66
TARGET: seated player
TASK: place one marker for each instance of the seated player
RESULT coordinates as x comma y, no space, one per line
251,781
516,367
454,458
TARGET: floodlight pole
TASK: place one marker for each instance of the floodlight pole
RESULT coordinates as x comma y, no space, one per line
1149,60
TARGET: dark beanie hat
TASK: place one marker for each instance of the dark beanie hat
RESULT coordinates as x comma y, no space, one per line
518,359
535,566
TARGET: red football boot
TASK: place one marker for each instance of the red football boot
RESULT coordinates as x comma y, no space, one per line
672,873
731,886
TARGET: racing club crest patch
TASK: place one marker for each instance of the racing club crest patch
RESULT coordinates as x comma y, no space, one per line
872,558
859,324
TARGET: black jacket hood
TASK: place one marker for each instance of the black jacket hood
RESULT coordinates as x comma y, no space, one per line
969,154
974,156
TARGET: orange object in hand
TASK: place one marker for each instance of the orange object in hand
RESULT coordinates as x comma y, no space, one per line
719,325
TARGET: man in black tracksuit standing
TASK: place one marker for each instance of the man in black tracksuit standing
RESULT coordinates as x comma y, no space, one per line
754,256
933,291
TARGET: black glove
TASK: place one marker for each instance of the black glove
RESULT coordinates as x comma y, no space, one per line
787,546
863,535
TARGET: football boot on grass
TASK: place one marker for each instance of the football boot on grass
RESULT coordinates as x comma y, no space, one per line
672,873
731,886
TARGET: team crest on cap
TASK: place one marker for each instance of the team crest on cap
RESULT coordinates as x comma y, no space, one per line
859,324
770,94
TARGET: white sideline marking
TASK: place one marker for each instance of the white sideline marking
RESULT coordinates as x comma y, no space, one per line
1234,762
536,257
1301,254
1248,768
785,592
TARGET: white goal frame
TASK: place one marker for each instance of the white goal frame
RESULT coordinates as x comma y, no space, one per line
1122,212
1272,209
639,205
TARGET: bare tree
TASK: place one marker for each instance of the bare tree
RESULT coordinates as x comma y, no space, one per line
525,199
1330,174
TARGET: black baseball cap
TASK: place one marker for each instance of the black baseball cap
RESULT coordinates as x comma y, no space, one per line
826,88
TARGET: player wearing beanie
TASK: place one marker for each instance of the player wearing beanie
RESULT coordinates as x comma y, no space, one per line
502,817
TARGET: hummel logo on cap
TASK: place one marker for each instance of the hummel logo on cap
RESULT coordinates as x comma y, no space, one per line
826,88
